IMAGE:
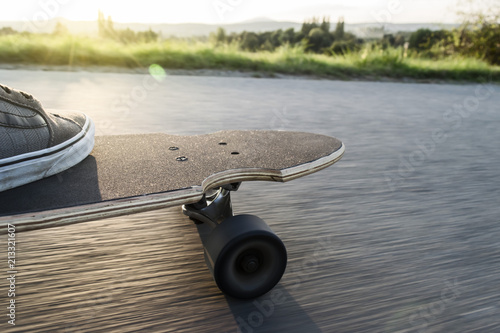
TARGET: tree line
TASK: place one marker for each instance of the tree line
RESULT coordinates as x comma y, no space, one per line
478,37
314,36
106,29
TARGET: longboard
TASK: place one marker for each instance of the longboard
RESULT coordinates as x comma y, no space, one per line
128,174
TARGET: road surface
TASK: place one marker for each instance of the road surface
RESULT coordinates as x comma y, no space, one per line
402,235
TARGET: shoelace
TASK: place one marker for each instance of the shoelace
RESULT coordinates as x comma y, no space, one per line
9,91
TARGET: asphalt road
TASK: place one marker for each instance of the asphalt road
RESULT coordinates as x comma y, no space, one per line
402,235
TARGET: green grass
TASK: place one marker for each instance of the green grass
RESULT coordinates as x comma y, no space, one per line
84,51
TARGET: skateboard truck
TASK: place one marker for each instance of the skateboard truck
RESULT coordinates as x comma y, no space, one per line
214,207
246,258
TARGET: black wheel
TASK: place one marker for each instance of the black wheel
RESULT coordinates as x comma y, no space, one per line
245,257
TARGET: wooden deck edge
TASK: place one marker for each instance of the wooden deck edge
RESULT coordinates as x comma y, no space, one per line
127,206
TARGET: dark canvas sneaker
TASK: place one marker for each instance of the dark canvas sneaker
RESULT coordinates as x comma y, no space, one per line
35,144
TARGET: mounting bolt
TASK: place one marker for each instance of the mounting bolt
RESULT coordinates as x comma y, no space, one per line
250,263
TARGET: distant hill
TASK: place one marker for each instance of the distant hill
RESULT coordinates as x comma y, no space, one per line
198,29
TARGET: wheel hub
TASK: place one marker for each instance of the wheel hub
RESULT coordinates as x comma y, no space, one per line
250,263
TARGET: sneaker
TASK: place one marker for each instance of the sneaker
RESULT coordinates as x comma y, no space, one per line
35,144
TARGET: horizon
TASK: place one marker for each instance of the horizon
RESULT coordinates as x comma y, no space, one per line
240,11
255,20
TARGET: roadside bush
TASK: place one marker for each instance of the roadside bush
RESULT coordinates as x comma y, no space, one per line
318,39
343,47
425,39
482,41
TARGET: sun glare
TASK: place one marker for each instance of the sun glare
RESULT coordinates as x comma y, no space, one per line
139,11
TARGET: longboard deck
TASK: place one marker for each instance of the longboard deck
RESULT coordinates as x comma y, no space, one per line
132,173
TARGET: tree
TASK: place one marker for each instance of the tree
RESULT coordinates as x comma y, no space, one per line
274,38
399,40
126,36
147,36
287,36
219,37
479,34
101,28
60,29
7,31
249,41
483,42
307,26
110,27
318,39
388,40
105,27
421,39
325,25
339,29
106,30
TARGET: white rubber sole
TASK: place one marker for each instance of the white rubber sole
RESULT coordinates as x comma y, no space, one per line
30,167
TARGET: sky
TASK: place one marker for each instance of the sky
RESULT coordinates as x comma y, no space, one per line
230,11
